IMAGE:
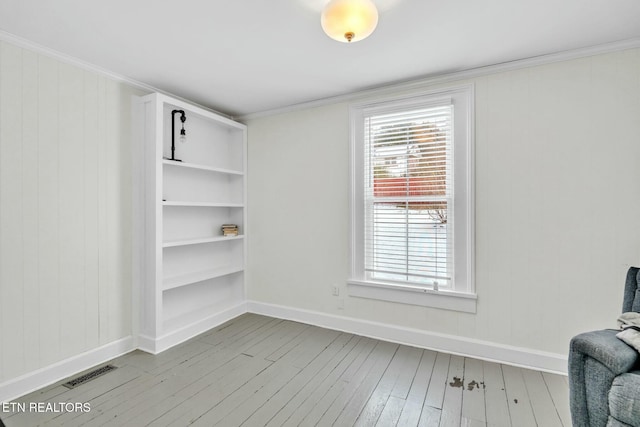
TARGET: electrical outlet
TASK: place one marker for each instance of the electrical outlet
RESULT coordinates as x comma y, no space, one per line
341,304
335,291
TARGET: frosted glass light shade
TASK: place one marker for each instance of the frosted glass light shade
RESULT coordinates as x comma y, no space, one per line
349,20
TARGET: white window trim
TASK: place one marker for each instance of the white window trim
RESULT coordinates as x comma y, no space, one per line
462,297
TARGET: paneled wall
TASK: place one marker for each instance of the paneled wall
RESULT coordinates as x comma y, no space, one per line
557,202
65,211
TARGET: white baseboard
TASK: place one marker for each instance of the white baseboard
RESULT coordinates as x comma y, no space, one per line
160,344
42,377
485,350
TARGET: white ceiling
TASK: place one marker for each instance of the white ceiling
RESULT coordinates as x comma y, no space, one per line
246,56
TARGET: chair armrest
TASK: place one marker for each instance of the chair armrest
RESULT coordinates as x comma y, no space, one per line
607,349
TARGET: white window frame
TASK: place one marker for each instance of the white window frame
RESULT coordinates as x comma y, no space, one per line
461,296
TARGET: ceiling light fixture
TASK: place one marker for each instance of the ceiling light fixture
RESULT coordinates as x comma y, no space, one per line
349,20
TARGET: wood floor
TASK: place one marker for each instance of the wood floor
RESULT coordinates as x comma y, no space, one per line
257,371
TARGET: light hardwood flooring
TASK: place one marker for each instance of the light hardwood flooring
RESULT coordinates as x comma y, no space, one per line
261,371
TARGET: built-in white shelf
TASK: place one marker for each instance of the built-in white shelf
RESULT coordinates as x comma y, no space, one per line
186,242
204,204
202,167
191,274
198,276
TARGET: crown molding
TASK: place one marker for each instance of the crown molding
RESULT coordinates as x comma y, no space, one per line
52,53
453,76
373,91
68,59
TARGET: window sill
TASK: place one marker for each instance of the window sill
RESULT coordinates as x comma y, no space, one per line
406,294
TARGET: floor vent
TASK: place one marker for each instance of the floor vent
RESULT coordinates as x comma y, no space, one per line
89,376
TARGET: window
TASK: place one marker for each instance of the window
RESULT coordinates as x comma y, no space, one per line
412,200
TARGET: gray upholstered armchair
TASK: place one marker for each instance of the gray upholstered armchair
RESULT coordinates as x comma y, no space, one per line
604,385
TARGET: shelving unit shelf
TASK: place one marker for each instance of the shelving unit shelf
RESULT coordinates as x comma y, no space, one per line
198,276
194,276
201,167
204,204
186,242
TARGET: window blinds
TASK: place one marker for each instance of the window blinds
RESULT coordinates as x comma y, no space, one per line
409,196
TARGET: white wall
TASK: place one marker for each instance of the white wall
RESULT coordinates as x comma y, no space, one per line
65,211
557,202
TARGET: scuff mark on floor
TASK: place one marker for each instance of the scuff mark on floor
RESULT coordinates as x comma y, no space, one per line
473,384
457,382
